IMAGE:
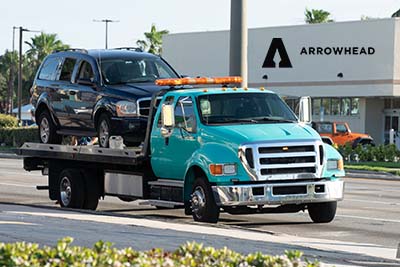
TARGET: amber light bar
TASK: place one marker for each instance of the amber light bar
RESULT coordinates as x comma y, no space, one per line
201,80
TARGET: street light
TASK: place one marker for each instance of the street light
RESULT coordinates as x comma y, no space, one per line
12,70
19,93
106,21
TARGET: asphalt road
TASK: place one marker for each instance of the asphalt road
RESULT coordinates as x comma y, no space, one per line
369,214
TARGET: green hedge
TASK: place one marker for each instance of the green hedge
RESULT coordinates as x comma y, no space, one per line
17,136
103,254
370,153
7,121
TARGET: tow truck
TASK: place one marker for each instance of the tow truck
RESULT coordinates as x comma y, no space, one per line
210,147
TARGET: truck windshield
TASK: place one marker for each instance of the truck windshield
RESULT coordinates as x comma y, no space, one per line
135,70
238,108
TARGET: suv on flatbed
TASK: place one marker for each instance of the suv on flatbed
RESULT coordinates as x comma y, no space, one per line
96,93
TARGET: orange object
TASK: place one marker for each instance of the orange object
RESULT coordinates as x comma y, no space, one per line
216,169
201,80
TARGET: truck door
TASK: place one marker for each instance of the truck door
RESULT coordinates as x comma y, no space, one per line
172,154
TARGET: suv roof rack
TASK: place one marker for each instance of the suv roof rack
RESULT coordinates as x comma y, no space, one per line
82,50
136,49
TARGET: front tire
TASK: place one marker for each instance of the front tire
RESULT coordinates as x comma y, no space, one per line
322,212
204,208
71,189
47,129
104,129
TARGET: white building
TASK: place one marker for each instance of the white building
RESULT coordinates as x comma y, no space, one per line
350,69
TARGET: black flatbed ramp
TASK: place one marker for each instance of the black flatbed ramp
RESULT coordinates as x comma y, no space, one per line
130,156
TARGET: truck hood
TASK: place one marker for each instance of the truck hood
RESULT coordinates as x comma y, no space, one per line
133,90
247,133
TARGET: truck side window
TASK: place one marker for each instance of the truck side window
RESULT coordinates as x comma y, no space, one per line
86,72
49,69
184,114
67,69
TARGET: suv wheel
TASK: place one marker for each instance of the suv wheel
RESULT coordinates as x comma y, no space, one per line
103,130
48,130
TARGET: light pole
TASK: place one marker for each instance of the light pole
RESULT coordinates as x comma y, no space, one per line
12,72
106,21
238,40
19,93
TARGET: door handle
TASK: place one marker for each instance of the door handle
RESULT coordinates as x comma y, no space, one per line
72,92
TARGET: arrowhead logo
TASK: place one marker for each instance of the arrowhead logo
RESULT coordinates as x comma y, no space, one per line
277,46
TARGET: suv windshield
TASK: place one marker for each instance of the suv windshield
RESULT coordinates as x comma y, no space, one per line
136,70
236,108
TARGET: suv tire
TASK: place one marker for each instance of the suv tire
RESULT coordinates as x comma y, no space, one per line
104,129
47,129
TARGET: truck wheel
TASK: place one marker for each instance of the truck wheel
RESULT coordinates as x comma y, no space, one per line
47,129
104,129
322,212
72,189
202,201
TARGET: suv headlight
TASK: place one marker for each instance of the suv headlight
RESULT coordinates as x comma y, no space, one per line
126,108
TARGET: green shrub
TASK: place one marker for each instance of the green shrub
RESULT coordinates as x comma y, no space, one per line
381,153
103,254
17,136
7,121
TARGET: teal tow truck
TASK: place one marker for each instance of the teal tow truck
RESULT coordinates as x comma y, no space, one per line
209,148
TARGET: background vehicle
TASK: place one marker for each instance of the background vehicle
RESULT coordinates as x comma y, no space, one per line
339,133
96,93
206,149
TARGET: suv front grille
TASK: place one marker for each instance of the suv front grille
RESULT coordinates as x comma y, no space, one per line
281,160
144,106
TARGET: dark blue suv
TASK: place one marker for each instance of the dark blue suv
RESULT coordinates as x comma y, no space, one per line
96,93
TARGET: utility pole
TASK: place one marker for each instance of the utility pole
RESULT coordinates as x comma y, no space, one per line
12,73
238,40
106,21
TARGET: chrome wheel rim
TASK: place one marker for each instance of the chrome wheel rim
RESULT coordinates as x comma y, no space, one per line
198,201
65,191
103,133
44,130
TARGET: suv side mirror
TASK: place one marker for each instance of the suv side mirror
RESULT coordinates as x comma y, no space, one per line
305,109
167,119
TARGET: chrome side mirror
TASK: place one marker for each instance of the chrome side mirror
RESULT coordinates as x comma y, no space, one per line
167,119
305,109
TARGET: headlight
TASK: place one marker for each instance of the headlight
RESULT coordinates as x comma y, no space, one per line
223,169
335,164
126,108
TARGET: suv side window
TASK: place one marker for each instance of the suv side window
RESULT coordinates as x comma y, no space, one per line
341,128
86,72
67,69
184,114
49,69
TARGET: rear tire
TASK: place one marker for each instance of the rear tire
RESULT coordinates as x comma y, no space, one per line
204,208
104,129
71,189
322,212
47,129
92,192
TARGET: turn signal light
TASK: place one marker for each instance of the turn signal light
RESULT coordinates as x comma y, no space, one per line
216,169
201,80
340,165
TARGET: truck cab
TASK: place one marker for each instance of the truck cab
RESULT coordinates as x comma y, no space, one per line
246,144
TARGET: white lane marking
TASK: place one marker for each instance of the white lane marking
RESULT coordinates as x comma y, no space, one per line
18,223
371,201
368,218
18,185
322,244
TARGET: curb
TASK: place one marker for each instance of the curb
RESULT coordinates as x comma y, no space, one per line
371,175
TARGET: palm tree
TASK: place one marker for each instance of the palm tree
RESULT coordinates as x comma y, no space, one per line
42,45
153,42
317,16
8,68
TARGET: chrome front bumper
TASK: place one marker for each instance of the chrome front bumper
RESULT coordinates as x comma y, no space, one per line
267,194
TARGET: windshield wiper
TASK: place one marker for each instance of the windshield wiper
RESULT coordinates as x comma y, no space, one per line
245,120
273,119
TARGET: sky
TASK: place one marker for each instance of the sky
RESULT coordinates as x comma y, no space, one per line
72,20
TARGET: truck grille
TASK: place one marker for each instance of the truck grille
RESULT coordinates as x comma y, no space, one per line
281,160
143,105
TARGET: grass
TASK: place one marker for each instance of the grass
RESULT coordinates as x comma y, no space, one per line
389,167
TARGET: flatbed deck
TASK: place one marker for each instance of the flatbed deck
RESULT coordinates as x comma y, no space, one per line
128,156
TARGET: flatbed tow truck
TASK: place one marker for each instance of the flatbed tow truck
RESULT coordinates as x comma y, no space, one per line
207,150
